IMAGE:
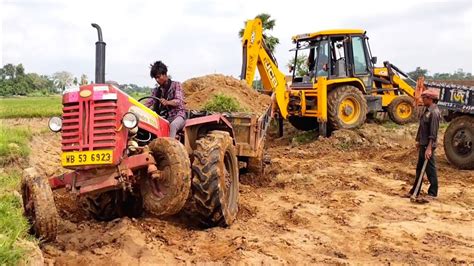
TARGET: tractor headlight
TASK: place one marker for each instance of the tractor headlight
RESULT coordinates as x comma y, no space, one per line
130,120
55,123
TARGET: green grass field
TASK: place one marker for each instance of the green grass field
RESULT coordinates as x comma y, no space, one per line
13,225
27,107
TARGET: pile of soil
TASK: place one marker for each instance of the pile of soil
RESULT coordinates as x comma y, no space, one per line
199,90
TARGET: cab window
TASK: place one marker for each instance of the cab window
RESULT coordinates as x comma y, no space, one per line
360,62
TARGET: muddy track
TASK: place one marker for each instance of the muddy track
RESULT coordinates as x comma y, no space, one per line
332,201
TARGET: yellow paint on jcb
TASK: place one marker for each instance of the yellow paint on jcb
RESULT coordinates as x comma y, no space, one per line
327,32
273,80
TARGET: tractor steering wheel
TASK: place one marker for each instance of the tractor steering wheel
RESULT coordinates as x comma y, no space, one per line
159,108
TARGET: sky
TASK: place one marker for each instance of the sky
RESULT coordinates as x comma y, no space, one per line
199,37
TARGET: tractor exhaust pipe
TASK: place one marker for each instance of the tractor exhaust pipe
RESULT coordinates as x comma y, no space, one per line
99,57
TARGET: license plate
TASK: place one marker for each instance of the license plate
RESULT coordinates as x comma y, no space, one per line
86,157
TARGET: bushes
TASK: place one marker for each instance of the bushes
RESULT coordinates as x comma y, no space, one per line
222,103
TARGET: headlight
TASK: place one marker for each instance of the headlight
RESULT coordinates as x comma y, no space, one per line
55,124
130,120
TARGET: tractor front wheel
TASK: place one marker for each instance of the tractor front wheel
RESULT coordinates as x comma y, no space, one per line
39,207
347,107
215,183
402,109
166,195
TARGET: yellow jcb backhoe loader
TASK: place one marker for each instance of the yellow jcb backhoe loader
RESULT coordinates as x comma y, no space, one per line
337,86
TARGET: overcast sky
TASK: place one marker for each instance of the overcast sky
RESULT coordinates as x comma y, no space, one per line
198,37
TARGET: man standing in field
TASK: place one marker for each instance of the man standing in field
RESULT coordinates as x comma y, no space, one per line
426,139
170,95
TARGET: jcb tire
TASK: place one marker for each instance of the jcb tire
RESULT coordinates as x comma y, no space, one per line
459,142
39,207
215,183
402,110
304,123
166,196
347,108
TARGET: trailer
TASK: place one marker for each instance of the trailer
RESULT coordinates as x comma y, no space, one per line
249,134
457,106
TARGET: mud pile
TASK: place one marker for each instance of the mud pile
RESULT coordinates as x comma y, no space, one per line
199,90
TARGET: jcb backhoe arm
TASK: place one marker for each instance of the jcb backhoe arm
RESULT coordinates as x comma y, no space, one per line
398,81
256,55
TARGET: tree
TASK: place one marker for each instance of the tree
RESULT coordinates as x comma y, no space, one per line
267,25
9,71
418,72
83,79
300,64
62,79
19,70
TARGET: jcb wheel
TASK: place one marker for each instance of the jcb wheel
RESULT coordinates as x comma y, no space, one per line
39,207
402,109
215,183
167,195
459,142
304,123
347,108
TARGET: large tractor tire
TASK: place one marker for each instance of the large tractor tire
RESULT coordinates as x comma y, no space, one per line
347,108
167,196
304,123
113,204
39,207
402,110
215,183
103,206
459,142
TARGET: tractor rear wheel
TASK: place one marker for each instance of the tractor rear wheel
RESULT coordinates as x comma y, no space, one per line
304,123
215,183
459,142
402,109
167,195
103,206
39,207
347,108
113,204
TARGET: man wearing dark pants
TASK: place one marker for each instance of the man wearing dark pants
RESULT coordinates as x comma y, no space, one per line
170,95
426,139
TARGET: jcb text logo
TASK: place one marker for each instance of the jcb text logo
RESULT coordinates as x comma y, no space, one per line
271,74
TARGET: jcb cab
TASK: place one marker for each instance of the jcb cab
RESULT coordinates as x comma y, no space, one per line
338,84
340,67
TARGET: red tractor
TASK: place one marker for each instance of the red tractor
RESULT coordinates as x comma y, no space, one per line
123,161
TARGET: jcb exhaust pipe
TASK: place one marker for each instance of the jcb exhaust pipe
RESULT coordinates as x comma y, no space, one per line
99,57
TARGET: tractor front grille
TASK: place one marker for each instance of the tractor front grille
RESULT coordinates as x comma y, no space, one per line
89,125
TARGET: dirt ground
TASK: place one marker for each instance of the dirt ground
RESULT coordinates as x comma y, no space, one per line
331,201
199,90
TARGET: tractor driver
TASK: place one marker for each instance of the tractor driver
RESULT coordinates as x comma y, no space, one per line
171,98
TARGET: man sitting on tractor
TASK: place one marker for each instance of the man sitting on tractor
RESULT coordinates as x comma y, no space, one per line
171,99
